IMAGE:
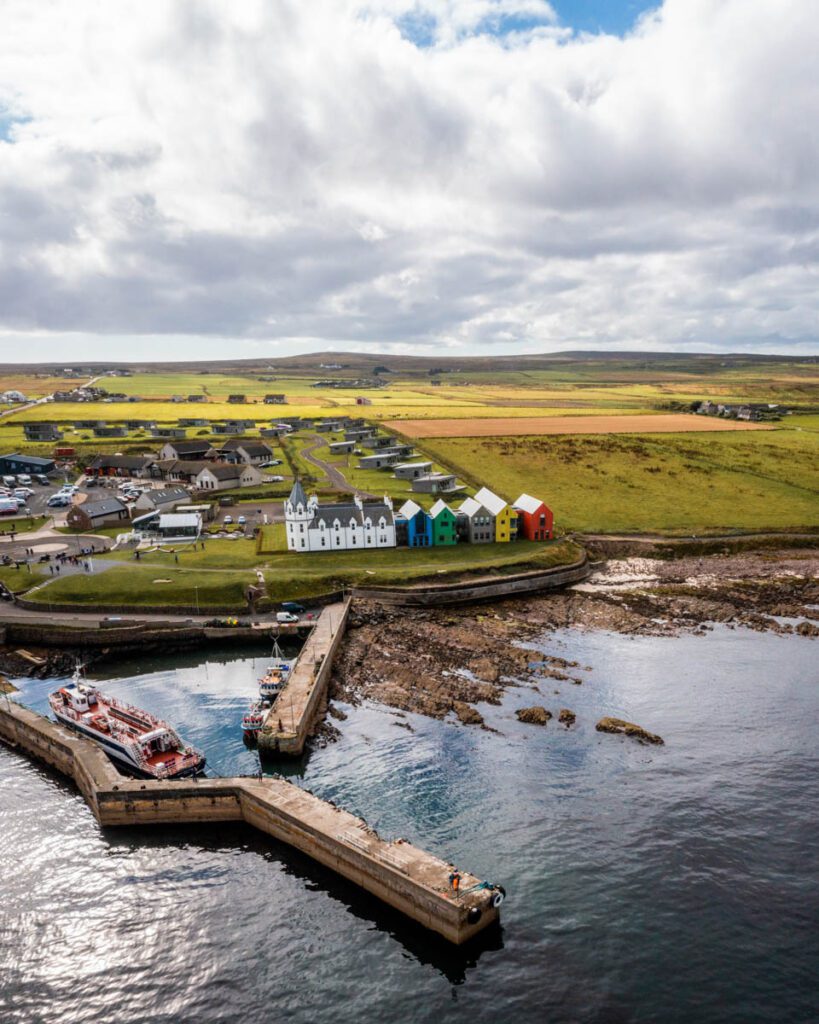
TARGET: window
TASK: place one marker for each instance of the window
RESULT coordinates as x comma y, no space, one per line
301,527
323,541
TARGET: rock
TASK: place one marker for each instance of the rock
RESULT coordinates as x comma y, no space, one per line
566,717
628,729
534,716
807,629
337,713
484,669
466,713
6,686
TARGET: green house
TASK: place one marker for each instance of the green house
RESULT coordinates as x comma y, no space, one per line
443,523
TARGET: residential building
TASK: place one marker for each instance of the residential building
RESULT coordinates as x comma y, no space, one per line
476,524
236,399
379,460
93,514
436,483
193,422
419,525
328,426
42,432
377,442
504,516
358,433
535,518
341,447
224,476
343,526
192,450
254,453
197,398
171,526
172,433
411,470
275,399
110,431
444,524
16,463
120,465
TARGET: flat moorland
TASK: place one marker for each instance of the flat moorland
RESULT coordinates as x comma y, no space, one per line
684,483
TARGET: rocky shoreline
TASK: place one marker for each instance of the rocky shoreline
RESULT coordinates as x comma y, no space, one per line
437,662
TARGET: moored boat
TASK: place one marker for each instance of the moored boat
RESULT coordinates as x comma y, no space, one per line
134,738
272,682
253,718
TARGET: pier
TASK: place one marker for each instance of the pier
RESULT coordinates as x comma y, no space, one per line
406,878
288,722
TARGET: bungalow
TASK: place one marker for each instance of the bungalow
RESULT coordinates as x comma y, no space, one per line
341,447
194,422
236,399
379,460
233,426
535,519
120,465
178,470
162,500
419,525
406,451
328,426
177,433
436,483
505,517
197,398
110,431
185,450
93,514
275,399
13,464
253,453
140,424
377,442
42,432
358,433
271,433
444,524
88,424
411,470
222,476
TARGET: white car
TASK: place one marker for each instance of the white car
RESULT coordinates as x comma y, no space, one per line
241,520
23,492
286,617
228,520
275,479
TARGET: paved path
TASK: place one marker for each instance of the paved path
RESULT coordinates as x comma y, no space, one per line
334,475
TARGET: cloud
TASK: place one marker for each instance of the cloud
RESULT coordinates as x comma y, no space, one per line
423,174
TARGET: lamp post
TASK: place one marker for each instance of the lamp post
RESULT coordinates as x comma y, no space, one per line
196,590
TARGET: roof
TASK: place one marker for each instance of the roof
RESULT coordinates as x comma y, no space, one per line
106,507
223,470
439,506
120,461
411,465
470,507
409,509
490,501
166,497
297,495
32,460
176,519
526,503
186,447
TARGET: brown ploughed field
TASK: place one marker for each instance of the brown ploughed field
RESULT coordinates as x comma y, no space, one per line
673,423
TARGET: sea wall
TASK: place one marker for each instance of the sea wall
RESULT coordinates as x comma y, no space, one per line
396,872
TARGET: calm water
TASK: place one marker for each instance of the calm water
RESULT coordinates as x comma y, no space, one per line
644,884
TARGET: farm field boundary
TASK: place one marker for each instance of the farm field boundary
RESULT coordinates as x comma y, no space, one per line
678,423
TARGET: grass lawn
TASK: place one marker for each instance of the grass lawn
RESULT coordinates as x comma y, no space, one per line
681,483
22,524
19,580
220,582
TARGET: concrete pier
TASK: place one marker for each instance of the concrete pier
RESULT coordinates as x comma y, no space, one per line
399,874
288,721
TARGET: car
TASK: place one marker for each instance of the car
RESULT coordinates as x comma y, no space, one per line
58,501
227,520
241,520
286,617
10,481
23,478
20,501
294,607
275,479
23,492
41,478
92,482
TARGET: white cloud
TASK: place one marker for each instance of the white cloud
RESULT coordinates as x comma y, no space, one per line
302,173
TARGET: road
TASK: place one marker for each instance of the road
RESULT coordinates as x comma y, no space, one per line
336,478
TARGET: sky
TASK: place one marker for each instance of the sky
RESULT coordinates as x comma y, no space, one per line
195,179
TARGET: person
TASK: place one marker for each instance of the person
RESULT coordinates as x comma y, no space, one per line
176,559
51,569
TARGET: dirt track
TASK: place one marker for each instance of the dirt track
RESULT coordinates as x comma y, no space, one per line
672,423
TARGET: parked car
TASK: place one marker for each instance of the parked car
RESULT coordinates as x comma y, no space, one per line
41,478
23,492
8,507
228,520
10,481
58,501
294,607
92,482
275,479
241,520
226,501
286,617
23,478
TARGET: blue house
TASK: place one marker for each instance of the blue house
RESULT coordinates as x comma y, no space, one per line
419,525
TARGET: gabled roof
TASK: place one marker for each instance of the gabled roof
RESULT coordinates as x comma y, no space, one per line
106,507
409,509
187,447
224,470
490,501
526,503
167,497
470,507
439,506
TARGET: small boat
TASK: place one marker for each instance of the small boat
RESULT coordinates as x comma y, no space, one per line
135,739
272,682
253,718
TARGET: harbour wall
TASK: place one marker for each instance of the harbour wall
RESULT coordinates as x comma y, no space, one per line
298,703
401,875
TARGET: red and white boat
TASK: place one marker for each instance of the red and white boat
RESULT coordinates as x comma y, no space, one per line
253,718
135,739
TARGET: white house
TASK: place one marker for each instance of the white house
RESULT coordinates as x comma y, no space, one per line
344,526
223,476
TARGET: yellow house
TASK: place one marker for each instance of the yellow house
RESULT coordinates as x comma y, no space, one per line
506,518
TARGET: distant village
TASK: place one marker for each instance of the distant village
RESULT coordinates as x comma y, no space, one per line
750,411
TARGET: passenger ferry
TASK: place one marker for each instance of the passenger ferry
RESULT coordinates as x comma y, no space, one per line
253,719
133,738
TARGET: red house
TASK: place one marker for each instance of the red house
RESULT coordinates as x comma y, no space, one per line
535,519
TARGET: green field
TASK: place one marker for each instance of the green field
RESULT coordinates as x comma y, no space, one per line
684,483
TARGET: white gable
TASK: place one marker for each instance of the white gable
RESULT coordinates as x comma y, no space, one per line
526,503
409,509
438,508
490,501
470,507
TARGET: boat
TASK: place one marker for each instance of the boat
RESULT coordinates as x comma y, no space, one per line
253,718
135,739
272,682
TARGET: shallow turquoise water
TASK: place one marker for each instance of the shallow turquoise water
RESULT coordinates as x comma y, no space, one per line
676,883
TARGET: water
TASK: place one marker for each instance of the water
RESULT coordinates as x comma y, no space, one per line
674,883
